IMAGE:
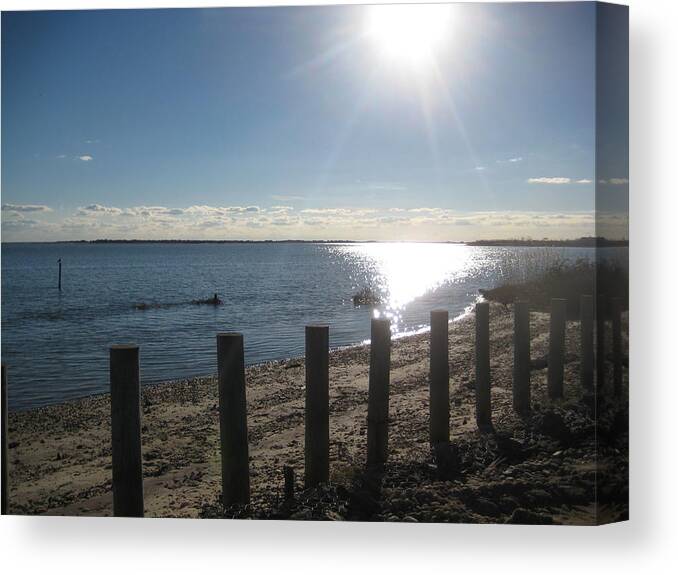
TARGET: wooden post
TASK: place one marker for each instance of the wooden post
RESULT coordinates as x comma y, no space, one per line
235,472
600,343
521,357
288,474
377,405
586,342
5,458
59,274
556,363
317,433
439,384
128,490
483,394
617,373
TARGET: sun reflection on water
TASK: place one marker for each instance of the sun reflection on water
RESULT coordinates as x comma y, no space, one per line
403,272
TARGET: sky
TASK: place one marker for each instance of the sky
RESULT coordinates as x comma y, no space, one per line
347,122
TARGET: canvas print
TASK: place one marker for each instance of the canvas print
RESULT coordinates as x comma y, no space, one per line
321,263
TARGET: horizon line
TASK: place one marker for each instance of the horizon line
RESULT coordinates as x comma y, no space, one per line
580,240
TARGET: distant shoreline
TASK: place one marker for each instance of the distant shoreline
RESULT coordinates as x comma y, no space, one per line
586,242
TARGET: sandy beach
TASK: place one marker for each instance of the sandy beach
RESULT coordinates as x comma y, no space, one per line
539,469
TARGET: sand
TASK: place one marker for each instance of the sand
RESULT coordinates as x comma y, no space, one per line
60,456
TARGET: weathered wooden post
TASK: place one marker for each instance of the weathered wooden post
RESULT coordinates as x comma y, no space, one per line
483,394
235,474
317,433
617,373
439,384
377,403
600,343
556,363
288,474
586,342
128,489
5,447
521,357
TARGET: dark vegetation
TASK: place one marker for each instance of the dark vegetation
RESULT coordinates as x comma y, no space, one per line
366,296
531,471
568,281
585,242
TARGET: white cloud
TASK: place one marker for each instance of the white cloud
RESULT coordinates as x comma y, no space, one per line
584,181
85,158
94,209
222,210
425,210
25,208
554,180
514,160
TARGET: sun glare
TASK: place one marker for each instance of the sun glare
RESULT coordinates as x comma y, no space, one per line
408,33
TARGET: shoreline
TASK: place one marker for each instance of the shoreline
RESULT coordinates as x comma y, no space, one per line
60,454
468,311
585,242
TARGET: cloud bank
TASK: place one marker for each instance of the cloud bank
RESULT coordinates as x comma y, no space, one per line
21,208
254,222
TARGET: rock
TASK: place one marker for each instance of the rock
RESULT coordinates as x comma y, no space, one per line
522,516
538,496
508,504
509,446
486,507
577,495
293,365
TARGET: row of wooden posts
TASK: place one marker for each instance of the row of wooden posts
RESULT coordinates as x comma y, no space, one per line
128,499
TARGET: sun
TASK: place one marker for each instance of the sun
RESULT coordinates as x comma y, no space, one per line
409,34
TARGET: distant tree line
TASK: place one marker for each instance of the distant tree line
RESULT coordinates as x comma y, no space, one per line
585,242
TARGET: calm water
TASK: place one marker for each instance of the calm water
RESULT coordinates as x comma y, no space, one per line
56,344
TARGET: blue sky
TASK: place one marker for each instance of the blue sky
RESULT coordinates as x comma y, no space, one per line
293,123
